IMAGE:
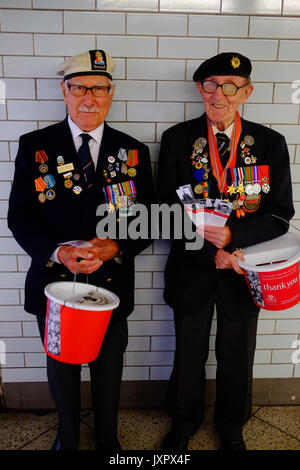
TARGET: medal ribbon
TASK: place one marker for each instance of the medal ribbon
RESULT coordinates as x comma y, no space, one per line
132,158
218,172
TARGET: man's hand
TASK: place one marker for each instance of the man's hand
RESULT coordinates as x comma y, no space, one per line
225,260
104,248
78,260
218,236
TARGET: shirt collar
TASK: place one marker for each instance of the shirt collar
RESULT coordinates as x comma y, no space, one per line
227,131
96,134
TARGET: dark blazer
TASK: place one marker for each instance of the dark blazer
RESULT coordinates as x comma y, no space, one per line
191,276
40,227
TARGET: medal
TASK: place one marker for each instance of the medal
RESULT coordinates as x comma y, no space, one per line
50,194
43,168
122,155
124,168
42,197
76,177
256,188
265,188
68,183
249,140
77,189
249,189
60,160
111,159
198,188
131,172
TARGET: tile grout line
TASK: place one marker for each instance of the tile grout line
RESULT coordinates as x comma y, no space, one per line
37,437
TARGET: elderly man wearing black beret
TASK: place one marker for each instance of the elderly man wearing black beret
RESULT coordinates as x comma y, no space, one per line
221,156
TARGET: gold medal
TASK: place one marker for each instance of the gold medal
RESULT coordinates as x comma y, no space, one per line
68,183
198,188
235,204
131,172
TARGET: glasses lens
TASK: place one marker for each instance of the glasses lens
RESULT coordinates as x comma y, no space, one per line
229,89
209,87
100,91
77,90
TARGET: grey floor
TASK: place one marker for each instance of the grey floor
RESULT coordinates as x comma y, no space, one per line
270,428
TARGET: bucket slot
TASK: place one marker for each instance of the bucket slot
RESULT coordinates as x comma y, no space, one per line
272,262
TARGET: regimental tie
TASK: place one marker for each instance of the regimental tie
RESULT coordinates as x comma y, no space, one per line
223,146
86,160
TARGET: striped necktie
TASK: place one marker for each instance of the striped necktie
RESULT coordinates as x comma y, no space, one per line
223,146
86,160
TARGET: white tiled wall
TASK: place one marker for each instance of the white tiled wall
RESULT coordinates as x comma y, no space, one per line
157,45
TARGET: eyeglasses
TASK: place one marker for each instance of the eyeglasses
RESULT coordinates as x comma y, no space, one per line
99,91
228,89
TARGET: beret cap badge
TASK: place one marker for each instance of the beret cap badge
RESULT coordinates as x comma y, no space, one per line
235,62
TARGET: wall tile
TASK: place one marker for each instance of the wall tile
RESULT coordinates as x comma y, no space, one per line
9,296
31,21
19,88
263,7
94,23
272,371
155,69
128,46
9,262
10,329
48,89
205,6
15,3
275,72
255,49
170,112
24,375
36,67
141,131
16,44
135,373
177,91
65,4
271,113
138,343
4,152
160,24
36,110
285,93
290,132
262,93
160,373
287,326
289,50
291,7
66,44
186,48
134,90
264,27
128,5
149,358
208,25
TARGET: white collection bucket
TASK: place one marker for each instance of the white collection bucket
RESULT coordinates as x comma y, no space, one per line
272,273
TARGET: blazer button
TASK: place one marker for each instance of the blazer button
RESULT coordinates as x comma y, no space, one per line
109,279
63,275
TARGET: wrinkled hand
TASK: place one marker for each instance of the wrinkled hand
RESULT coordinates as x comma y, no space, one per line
218,236
104,249
225,260
78,260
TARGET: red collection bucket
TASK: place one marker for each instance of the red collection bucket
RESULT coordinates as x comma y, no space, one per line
272,273
77,318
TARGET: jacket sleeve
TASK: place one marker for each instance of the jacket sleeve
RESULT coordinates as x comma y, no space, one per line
24,217
272,218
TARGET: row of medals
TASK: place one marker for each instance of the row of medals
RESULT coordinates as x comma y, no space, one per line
112,170
200,161
50,194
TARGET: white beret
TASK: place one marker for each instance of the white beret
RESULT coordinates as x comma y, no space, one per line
95,62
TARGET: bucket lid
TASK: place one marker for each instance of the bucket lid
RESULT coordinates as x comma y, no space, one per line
66,293
279,253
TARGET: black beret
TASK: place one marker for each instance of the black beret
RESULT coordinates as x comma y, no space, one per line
226,63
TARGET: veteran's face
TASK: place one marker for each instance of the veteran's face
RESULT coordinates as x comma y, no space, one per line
87,111
220,108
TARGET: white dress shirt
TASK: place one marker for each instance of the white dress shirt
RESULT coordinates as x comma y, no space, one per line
94,145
